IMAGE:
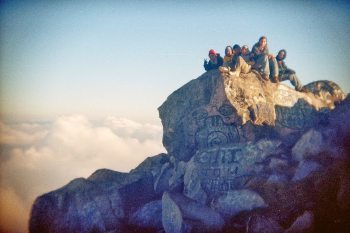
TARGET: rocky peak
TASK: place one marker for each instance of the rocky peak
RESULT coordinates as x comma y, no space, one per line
244,155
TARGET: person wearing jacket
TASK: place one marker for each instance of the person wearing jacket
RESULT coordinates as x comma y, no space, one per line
264,62
246,55
285,73
237,65
215,61
228,54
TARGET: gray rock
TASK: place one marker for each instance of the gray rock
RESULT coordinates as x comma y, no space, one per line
310,144
171,215
262,224
148,216
215,110
277,178
161,183
235,202
152,164
303,224
305,168
80,206
216,171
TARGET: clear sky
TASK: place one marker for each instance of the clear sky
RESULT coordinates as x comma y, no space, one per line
125,57
81,81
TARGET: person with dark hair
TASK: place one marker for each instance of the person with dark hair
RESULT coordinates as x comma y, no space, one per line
237,65
285,73
246,55
236,50
215,61
265,63
228,54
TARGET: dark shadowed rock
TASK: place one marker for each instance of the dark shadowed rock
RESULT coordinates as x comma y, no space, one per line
262,224
303,224
148,216
171,215
80,206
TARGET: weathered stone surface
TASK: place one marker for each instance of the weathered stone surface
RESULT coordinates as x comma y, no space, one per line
199,217
80,206
234,202
262,224
148,216
171,215
310,144
220,169
305,168
303,224
259,153
217,110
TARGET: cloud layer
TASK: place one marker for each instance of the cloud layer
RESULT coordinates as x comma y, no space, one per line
40,157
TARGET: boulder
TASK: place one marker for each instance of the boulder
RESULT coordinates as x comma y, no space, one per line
172,219
148,216
262,224
215,110
303,224
237,201
217,170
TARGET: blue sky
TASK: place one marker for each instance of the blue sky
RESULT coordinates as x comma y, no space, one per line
125,57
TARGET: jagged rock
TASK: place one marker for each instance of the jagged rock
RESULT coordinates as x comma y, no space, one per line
262,224
152,164
303,224
257,152
98,203
218,110
310,144
162,182
148,216
80,206
305,168
234,202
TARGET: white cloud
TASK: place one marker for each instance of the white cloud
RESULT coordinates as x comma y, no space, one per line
40,158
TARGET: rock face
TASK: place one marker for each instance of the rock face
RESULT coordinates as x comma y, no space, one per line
244,155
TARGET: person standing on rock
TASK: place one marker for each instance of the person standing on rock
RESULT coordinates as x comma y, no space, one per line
215,61
285,73
264,62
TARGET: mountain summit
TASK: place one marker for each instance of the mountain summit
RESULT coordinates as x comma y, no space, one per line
244,155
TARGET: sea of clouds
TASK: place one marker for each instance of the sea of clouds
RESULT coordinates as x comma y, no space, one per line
40,157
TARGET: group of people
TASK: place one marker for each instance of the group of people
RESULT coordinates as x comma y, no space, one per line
241,60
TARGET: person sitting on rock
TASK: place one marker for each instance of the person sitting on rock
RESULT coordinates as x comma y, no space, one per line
237,65
246,55
215,61
228,54
264,62
285,73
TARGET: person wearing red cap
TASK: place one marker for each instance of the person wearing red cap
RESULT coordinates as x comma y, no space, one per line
215,61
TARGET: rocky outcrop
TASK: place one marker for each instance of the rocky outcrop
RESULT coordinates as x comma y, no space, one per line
244,155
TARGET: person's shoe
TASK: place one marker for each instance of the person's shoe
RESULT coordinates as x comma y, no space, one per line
265,77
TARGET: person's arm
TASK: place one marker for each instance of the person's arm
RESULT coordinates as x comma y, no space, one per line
206,65
220,60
